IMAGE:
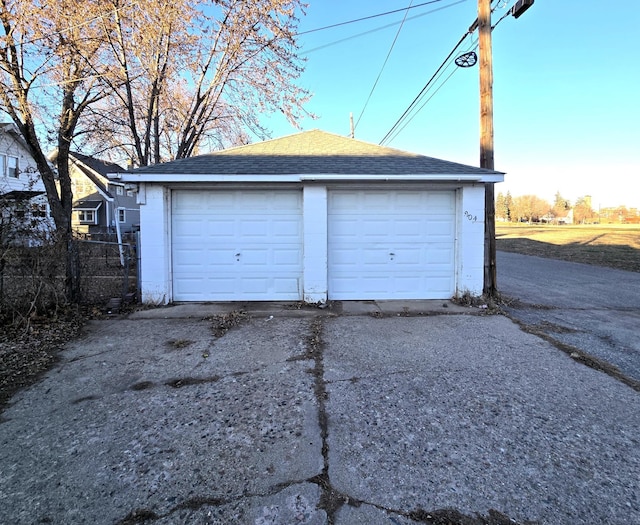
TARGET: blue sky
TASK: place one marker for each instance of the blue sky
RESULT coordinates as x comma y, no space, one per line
566,89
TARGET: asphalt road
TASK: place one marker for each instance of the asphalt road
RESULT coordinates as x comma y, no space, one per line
586,309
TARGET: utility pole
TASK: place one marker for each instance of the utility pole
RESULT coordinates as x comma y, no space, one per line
490,287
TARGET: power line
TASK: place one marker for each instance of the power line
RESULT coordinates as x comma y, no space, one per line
358,35
383,66
426,86
415,113
396,129
368,17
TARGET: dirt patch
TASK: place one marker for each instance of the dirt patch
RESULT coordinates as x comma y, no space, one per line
178,344
222,323
26,352
138,516
547,326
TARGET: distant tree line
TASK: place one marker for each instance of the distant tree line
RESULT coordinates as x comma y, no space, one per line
530,208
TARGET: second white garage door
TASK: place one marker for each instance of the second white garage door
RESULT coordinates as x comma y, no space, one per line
391,244
236,245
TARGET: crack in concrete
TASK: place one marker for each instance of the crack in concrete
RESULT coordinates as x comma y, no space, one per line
577,354
83,399
188,381
356,379
196,503
517,304
331,500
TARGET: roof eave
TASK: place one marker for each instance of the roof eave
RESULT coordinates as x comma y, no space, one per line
307,177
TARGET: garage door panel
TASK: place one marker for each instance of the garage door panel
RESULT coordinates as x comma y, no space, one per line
440,227
286,258
287,285
342,200
249,230
371,257
407,285
409,257
221,285
439,256
253,257
283,230
189,228
216,260
374,201
391,244
247,244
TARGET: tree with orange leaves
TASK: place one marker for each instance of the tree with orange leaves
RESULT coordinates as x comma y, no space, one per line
144,80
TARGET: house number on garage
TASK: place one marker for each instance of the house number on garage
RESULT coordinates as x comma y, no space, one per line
472,218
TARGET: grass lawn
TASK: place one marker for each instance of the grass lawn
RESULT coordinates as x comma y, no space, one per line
612,245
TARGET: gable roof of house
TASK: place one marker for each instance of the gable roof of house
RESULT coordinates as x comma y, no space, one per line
103,167
93,169
308,153
12,129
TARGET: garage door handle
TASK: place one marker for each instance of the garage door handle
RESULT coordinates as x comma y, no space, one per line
237,256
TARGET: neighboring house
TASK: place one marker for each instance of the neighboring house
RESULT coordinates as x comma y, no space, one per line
567,219
23,201
101,206
310,217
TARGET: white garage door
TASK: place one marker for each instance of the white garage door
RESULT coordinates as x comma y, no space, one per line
236,245
391,244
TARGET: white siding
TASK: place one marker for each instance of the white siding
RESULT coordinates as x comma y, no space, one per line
313,244
470,245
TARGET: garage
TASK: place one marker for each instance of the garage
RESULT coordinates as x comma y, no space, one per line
236,245
310,217
391,244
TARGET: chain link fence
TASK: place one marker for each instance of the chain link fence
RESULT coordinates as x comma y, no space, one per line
32,279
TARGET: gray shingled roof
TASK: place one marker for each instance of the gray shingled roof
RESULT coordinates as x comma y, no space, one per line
86,164
98,165
311,152
87,205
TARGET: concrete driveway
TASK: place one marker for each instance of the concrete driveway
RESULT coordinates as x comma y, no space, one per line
581,308
368,414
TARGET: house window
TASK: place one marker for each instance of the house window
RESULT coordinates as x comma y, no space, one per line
129,193
12,166
122,216
38,210
87,216
119,191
